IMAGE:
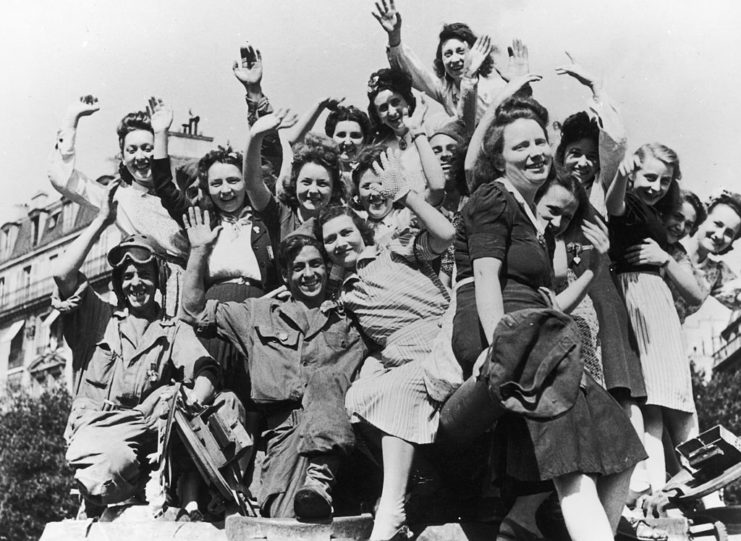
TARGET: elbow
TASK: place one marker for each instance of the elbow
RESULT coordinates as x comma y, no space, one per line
187,315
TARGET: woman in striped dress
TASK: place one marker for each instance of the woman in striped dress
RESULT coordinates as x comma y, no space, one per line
398,301
635,218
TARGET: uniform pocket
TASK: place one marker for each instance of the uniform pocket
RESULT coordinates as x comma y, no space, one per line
100,368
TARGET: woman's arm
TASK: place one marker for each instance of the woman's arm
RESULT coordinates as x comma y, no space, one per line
598,236
63,176
431,168
612,140
404,59
67,267
257,191
202,240
173,200
475,146
650,253
307,121
488,292
468,102
615,198
441,232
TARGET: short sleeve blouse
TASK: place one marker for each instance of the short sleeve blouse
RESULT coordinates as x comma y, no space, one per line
494,225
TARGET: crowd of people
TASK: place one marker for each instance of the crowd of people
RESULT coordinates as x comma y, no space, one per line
396,285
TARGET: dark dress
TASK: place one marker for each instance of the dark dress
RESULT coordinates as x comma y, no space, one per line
595,436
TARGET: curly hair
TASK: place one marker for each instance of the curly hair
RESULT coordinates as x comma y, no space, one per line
321,150
351,114
219,155
462,32
134,121
575,188
512,109
575,128
672,201
333,211
388,79
733,201
694,201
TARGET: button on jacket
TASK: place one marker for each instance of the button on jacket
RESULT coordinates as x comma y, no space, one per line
284,342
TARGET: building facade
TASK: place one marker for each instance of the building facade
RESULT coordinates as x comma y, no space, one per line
32,350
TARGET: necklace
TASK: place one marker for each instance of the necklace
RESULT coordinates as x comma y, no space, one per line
403,143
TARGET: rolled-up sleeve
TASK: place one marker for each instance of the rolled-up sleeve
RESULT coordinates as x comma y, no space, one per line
231,321
189,355
67,180
487,224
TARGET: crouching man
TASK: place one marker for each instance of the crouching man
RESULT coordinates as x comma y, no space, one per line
124,359
301,355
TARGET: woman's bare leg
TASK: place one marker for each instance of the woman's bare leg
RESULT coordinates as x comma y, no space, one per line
582,509
654,421
613,490
397,464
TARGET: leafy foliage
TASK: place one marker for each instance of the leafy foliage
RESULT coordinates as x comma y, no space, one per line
34,478
719,403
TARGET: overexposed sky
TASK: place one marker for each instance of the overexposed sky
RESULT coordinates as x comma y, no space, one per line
671,65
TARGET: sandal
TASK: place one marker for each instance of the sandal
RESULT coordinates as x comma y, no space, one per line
638,529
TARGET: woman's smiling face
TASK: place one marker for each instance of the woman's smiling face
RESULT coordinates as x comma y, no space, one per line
313,187
342,241
226,187
137,151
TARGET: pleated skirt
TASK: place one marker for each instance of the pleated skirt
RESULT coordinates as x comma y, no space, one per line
666,368
395,400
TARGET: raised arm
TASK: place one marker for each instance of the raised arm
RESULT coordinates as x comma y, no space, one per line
475,146
403,58
468,103
66,268
615,198
202,239
612,139
173,200
307,121
62,173
257,191
391,184
431,168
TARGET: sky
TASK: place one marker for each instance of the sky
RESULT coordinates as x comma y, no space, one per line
672,66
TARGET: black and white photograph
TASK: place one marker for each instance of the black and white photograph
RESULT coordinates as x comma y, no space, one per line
370,270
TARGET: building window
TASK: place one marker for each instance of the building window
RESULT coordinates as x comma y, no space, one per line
26,277
36,230
16,350
53,220
69,212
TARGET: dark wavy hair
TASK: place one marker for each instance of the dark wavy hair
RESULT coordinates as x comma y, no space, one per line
219,155
462,32
334,211
575,128
574,187
702,213
733,201
137,120
511,109
672,201
388,79
352,114
292,245
320,150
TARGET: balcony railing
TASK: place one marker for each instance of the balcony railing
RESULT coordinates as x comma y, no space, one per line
20,298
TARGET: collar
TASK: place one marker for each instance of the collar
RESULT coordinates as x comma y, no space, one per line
244,216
